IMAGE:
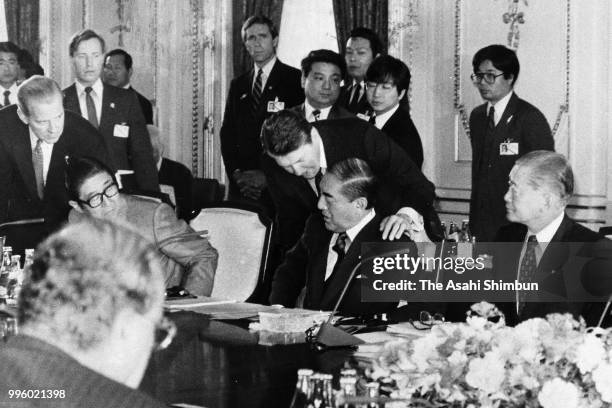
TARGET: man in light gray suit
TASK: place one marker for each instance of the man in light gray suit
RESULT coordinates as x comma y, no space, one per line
188,259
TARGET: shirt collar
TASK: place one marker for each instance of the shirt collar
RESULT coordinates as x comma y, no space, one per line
12,89
97,87
308,109
266,68
382,119
500,106
353,231
548,232
128,86
34,140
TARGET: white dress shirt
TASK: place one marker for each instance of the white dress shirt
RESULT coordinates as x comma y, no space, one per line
96,95
383,118
266,69
47,150
332,256
500,107
12,95
308,109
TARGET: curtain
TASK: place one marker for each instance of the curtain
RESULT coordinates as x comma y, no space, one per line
242,9
22,24
361,13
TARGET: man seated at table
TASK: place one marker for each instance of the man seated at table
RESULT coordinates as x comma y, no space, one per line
189,260
89,313
330,246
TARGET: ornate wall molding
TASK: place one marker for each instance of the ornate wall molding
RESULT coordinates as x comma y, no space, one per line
458,74
195,84
403,26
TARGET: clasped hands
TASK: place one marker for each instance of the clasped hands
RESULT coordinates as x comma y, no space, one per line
250,182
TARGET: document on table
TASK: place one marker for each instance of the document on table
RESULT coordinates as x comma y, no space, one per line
190,303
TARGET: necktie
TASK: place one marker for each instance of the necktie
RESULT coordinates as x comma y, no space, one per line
355,98
528,269
373,119
7,102
491,118
92,116
256,96
37,162
316,114
342,242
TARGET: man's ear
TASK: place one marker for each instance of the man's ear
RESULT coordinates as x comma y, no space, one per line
22,115
401,94
303,81
275,42
361,203
75,205
130,72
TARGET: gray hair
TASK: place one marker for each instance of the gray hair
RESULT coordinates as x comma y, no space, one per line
549,170
83,276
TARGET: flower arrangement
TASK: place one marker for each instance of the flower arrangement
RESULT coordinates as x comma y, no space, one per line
551,363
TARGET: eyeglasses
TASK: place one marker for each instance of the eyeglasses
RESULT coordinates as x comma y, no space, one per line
96,200
165,330
488,77
427,320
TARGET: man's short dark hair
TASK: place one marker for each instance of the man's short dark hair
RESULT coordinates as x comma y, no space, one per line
284,132
357,179
10,47
27,63
81,169
258,19
84,35
363,32
385,68
549,170
501,57
127,58
328,56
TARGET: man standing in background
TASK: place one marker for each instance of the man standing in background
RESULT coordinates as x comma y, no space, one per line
9,72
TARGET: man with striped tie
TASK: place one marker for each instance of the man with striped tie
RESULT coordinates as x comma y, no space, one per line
9,72
270,86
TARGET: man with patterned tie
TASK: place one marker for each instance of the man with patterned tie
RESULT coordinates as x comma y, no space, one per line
330,246
362,47
9,72
322,73
36,135
502,129
115,112
269,87
541,184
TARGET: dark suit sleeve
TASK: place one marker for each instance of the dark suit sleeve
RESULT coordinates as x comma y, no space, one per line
90,141
6,172
536,132
147,108
393,164
290,276
228,136
140,149
412,143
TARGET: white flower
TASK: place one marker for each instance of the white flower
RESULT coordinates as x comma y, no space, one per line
602,376
486,373
590,353
558,394
457,358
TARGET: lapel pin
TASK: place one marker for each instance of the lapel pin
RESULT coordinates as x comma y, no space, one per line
112,105
509,119
243,96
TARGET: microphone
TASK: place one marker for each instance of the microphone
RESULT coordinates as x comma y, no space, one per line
332,336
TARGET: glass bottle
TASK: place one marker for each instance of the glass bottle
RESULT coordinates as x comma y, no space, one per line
348,387
4,273
466,236
373,392
328,391
15,277
302,389
316,398
453,232
29,258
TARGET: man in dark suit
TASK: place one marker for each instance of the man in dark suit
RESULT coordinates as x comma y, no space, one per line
118,73
501,130
35,137
362,47
9,73
322,72
115,112
330,247
174,176
387,82
541,184
89,316
269,87
298,152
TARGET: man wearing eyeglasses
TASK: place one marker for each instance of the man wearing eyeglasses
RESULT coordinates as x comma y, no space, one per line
502,129
90,314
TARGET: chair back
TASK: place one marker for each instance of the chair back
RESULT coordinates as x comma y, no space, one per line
241,234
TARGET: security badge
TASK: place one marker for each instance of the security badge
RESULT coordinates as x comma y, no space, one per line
275,105
508,148
121,130
363,116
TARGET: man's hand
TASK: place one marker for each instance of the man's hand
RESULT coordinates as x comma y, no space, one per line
406,221
250,182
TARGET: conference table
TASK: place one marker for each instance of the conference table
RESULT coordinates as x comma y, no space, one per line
220,363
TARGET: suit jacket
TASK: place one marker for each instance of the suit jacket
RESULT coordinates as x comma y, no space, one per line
18,195
551,269
240,144
29,363
336,112
178,176
521,123
401,182
187,261
344,99
145,105
121,107
305,266
401,129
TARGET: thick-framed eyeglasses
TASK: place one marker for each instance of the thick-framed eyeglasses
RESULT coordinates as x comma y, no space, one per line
96,200
488,77
165,330
427,320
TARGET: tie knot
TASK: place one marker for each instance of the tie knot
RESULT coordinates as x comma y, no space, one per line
38,143
341,243
532,239
7,93
492,111
316,113
88,89
259,72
